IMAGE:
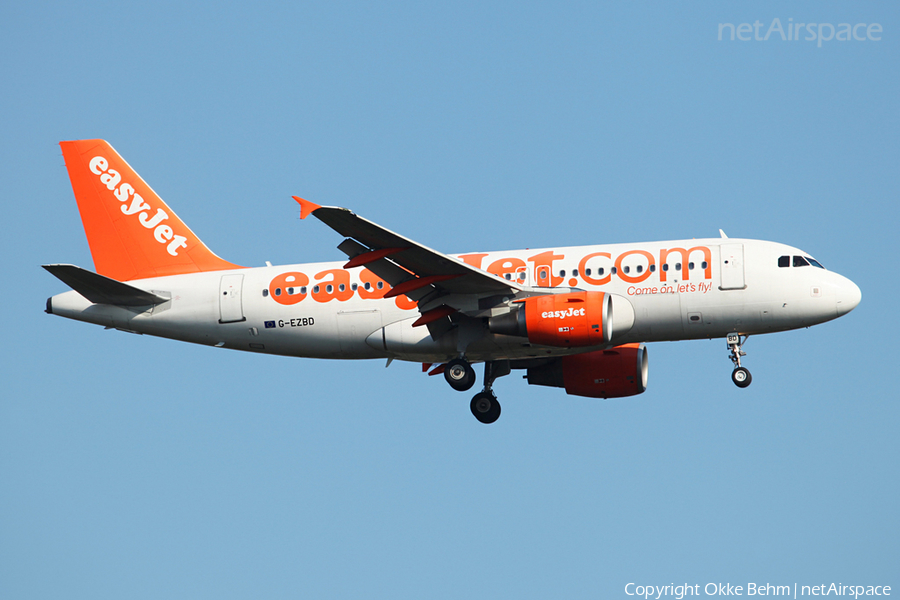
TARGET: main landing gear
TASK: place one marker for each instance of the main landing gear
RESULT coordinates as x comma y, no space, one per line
459,374
485,407
740,376
461,377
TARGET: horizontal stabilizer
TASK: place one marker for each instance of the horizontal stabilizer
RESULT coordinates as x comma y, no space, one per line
100,289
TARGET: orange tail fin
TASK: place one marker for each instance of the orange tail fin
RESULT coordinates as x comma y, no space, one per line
130,230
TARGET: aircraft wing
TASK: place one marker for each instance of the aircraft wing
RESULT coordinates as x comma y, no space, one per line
410,268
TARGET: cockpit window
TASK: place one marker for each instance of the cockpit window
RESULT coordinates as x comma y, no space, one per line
814,262
799,261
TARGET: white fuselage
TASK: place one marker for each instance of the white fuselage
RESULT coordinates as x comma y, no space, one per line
663,291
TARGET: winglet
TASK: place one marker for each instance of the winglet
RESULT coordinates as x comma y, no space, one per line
306,207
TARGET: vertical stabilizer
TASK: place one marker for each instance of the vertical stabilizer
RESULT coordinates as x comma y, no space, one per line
132,233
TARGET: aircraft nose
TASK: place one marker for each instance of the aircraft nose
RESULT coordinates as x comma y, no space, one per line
848,297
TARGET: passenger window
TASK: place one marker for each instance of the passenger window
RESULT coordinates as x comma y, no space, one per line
677,266
353,286
784,261
316,290
277,291
613,271
574,272
290,291
626,269
601,271
265,292
640,268
508,276
342,287
666,267
562,273
522,276
587,272
367,286
653,268
329,288
380,285
799,261
303,290
704,265
690,266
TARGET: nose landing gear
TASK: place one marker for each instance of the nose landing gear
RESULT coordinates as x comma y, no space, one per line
741,375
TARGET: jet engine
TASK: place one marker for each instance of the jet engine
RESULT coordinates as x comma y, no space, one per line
567,320
615,373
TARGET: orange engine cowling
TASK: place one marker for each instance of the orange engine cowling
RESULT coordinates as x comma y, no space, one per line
567,320
614,373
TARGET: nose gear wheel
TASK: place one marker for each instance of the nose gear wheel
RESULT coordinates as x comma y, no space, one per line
741,377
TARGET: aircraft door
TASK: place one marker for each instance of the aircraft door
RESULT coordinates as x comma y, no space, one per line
231,308
731,267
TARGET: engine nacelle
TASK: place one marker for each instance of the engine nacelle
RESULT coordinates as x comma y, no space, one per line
567,320
614,373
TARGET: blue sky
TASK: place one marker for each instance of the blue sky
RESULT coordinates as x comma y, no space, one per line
145,468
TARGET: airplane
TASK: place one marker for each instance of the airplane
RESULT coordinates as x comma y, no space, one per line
576,318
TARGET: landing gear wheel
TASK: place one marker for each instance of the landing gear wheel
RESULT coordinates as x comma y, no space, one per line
485,407
459,374
741,377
